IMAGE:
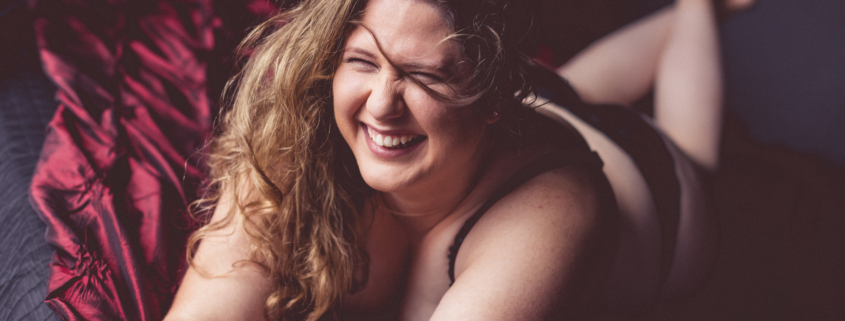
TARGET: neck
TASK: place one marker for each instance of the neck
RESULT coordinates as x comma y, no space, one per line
423,208
419,215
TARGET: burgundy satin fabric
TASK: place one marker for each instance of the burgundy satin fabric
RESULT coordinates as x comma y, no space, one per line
137,84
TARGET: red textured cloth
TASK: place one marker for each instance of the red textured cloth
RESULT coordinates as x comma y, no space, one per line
137,83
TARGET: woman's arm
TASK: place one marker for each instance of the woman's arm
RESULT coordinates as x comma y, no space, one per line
537,254
675,50
220,284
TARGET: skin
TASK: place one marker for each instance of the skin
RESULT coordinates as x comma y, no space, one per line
372,94
675,52
531,256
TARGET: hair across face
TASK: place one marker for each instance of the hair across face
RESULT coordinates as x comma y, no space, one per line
380,99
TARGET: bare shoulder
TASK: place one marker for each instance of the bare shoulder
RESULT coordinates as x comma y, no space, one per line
539,253
553,213
563,195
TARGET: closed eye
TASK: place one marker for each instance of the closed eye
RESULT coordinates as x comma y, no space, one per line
361,62
426,78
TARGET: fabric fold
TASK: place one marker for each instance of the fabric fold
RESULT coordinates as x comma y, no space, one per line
136,88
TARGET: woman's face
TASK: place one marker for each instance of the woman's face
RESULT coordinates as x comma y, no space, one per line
405,140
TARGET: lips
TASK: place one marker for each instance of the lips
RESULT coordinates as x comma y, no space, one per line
394,141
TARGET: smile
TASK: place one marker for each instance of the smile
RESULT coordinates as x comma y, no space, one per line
394,141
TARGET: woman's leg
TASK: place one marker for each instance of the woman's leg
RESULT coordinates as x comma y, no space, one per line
620,67
676,51
688,83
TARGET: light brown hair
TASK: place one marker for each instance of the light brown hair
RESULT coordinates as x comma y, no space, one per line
280,157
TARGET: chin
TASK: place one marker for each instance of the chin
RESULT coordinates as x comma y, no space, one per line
386,180
381,182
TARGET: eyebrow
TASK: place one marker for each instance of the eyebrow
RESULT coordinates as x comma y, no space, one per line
441,68
444,68
360,51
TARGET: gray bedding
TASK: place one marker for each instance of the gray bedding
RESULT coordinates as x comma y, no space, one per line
26,105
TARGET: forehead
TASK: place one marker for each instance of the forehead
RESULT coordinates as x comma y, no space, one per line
405,29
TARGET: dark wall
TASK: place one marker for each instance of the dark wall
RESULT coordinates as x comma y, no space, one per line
785,74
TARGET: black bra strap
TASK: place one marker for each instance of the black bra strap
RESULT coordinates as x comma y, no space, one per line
537,167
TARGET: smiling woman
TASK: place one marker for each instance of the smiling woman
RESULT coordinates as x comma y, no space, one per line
379,162
376,103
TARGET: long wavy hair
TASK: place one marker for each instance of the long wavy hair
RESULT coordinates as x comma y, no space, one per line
281,160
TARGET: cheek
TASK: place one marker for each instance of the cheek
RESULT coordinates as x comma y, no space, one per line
338,94
452,125
344,99
343,117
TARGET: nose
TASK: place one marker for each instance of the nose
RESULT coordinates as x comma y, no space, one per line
385,101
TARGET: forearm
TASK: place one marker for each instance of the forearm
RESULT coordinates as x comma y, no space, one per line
237,295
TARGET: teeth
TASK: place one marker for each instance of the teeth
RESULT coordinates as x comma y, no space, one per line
390,141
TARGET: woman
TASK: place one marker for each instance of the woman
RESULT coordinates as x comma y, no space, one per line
363,138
